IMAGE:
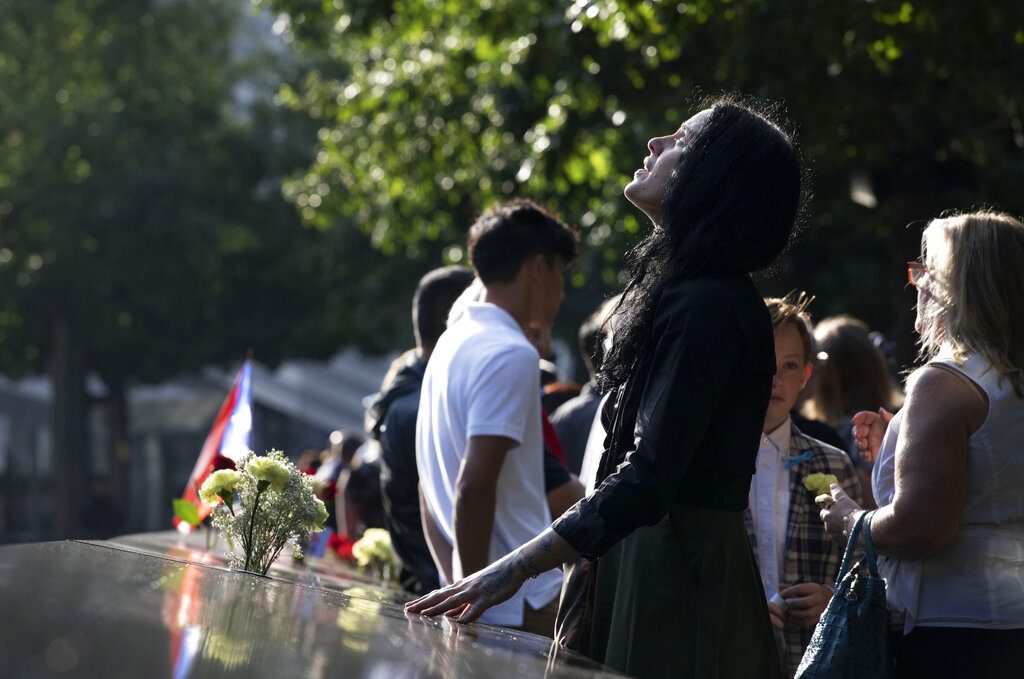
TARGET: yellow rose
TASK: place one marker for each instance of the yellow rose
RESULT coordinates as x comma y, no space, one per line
216,483
271,471
819,483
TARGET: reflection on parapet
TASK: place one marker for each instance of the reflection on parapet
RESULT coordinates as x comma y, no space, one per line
165,609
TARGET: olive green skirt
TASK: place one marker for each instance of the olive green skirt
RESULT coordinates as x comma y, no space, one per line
684,598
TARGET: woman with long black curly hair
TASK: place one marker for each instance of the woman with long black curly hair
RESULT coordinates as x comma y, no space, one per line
691,365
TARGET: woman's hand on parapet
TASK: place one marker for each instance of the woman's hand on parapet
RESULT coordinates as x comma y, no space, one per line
869,429
467,599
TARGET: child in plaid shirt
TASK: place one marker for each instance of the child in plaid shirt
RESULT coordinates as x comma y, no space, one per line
796,558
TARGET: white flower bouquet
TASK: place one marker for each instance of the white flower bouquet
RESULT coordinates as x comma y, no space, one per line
261,506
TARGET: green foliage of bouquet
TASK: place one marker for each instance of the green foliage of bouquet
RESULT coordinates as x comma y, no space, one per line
261,506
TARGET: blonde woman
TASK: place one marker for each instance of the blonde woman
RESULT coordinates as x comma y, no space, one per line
949,476
677,590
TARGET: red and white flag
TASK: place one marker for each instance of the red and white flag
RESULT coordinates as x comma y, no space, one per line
229,438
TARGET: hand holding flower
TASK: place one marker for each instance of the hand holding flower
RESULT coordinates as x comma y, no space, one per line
840,515
819,483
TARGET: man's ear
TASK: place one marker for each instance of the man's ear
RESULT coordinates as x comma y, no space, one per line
537,266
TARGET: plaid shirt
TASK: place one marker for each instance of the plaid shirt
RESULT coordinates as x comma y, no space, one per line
810,553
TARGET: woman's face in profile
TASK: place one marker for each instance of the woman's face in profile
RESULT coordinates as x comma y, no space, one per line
647,189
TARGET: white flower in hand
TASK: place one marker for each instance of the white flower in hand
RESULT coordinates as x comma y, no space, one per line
840,515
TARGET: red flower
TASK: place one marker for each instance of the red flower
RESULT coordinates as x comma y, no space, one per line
341,544
222,462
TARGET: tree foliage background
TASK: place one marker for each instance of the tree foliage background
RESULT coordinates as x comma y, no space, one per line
142,227
179,184
429,111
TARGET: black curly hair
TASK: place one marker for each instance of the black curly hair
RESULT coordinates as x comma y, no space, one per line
729,208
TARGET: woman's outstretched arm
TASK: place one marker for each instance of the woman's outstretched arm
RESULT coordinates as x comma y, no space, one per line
468,598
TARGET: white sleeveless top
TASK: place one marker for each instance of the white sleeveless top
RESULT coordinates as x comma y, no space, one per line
977,580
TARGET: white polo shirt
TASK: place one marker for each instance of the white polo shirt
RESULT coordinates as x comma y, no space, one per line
482,380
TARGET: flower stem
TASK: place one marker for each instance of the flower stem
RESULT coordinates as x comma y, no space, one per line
252,522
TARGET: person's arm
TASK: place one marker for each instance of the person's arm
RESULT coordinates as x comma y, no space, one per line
565,496
475,495
469,597
942,410
561,489
439,548
342,513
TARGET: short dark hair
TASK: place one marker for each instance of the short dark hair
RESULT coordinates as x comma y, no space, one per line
506,235
434,296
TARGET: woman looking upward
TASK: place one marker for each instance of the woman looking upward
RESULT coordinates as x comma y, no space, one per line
691,368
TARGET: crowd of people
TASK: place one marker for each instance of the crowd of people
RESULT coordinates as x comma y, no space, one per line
677,488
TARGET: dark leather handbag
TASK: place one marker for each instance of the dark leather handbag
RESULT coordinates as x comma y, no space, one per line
852,636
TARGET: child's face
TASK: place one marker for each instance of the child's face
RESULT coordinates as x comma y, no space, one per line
792,369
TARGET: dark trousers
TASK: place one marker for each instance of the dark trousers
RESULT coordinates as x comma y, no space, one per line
939,652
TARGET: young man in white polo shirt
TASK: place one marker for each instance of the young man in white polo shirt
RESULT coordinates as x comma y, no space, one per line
478,431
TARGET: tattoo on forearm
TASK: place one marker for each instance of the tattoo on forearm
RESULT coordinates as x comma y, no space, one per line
526,563
521,561
545,542
492,583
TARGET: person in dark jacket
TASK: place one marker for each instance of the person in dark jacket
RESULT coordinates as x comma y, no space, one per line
391,420
677,591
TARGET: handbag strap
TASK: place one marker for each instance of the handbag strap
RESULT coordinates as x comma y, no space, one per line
851,547
869,548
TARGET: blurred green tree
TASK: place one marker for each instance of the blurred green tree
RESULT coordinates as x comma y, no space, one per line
142,227
430,110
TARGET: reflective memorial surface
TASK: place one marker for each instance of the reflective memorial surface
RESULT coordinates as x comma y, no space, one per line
150,606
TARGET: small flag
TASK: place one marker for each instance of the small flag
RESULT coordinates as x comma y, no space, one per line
229,437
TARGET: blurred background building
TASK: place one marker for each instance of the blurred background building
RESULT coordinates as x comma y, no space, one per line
296,406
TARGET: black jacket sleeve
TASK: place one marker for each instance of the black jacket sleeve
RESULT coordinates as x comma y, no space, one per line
698,344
